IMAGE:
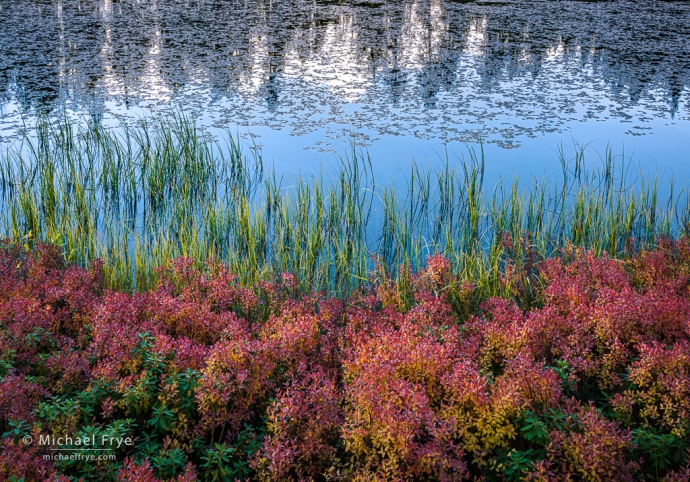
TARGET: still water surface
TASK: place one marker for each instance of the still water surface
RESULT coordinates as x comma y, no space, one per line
405,79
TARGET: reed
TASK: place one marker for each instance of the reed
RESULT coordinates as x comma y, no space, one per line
138,195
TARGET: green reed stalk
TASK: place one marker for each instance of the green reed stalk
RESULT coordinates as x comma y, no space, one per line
139,195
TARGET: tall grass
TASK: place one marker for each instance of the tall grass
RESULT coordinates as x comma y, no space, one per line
137,196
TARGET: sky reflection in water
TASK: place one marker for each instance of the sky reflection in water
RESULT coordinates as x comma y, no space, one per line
404,79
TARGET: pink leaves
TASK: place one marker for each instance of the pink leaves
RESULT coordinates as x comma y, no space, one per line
395,387
402,382
303,428
19,397
662,379
597,452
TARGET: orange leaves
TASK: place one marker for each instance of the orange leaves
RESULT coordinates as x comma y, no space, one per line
401,382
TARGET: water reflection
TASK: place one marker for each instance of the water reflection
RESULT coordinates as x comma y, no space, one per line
434,69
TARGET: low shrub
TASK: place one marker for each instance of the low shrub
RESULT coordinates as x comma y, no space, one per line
408,379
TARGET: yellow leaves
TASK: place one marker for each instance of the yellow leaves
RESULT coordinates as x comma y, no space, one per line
496,432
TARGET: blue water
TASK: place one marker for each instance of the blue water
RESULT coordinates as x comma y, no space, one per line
405,81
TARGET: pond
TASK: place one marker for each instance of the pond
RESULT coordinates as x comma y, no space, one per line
402,79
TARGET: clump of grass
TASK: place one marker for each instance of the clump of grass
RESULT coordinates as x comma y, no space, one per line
138,196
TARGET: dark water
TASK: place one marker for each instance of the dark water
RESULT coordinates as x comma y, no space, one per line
403,78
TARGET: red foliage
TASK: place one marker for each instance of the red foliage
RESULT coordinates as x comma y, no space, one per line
19,397
303,428
21,461
133,472
394,393
395,383
597,451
